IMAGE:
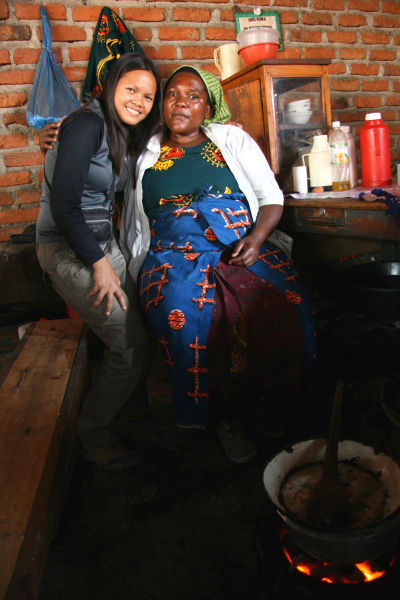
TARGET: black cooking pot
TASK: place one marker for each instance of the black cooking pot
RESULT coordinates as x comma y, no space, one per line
346,546
372,289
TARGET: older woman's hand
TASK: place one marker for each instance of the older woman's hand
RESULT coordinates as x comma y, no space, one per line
48,136
245,253
106,284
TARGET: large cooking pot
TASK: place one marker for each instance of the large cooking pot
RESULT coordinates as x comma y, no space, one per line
372,289
346,546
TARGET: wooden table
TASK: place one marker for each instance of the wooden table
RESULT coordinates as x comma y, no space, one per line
348,217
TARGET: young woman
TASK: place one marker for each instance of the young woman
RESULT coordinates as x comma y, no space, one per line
96,145
215,279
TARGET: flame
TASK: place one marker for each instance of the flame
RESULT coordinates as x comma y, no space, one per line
367,571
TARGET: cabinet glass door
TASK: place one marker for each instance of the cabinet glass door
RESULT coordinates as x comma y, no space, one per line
299,116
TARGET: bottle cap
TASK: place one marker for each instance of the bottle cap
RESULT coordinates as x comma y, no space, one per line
345,128
336,124
373,116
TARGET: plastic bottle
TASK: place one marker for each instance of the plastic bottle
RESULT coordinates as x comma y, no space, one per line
339,159
376,168
351,143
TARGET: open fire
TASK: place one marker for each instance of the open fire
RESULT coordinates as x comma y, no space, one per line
334,572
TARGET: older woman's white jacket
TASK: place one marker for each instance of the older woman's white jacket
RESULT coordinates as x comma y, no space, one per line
247,163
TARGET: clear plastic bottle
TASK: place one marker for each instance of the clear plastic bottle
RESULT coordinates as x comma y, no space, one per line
351,142
339,159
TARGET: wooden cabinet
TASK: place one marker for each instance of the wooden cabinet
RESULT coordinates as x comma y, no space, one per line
258,97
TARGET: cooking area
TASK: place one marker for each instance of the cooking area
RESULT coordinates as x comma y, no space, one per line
254,466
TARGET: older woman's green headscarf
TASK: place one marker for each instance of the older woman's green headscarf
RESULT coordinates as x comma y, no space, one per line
221,112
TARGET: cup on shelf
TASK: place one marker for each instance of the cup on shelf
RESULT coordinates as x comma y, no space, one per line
300,179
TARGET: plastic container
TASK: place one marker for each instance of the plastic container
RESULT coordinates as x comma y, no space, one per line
351,143
257,35
319,164
339,159
255,52
376,168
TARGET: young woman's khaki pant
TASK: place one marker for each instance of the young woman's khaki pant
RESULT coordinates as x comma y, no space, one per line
110,400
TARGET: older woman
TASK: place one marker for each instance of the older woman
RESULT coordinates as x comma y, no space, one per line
215,276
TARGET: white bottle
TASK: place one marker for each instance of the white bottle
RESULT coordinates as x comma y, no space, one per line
351,142
339,159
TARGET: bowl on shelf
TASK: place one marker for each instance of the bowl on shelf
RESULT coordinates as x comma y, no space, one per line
251,54
257,35
300,118
298,106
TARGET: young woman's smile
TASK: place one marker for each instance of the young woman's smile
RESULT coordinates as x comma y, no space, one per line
134,96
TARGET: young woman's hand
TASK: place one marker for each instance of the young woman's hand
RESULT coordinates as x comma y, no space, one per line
48,136
106,284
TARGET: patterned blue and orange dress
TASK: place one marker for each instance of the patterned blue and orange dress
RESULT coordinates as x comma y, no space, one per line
215,320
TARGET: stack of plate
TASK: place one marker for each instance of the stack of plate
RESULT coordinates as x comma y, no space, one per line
298,112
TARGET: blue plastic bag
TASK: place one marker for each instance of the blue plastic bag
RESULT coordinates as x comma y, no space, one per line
52,95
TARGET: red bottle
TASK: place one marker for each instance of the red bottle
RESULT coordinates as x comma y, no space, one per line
376,169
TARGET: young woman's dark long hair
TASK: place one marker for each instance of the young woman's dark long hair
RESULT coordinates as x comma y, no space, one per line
123,139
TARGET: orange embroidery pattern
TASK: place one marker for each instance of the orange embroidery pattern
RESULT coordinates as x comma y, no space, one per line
293,297
213,155
165,343
178,200
197,370
210,235
159,284
280,265
186,248
176,319
167,157
205,285
235,213
192,255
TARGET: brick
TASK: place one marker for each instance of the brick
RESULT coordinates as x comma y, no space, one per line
367,101
143,34
290,53
9,100
342,37
391,7
352,117
19,77
364,5
4,14
144,14
389,115
364,69
316,19
23,215
191,14
396,86
166,70
259,3
15,178
13,140
392,100
15,119
29,196
81,53
162,53
392,70
86,13
375,86
345,85
31,12
28,56
4,57
319,53
352,21
396,40
197,52
6,232
289,17
227,15
23,159
382,21
179,33
14,33
5,199
292,3
394,129
375,38
332,5
65,33
75,73
352,54
211,68
383,55
220,33
301,35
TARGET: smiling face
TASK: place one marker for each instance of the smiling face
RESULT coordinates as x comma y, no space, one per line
134,96
186,104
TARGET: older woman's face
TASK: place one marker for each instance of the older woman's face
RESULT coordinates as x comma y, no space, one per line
186,103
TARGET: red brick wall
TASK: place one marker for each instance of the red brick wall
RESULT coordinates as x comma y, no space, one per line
361,37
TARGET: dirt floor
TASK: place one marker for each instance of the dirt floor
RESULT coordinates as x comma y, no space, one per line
182,524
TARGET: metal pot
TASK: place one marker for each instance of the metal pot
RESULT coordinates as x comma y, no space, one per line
346,546
373,289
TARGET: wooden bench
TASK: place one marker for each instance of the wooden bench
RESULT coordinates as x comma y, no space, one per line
40,393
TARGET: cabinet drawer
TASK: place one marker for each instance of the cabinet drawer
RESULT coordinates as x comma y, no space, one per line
334,217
